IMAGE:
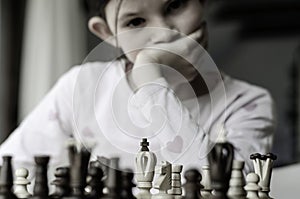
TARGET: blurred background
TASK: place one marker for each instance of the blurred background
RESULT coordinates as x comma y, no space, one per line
253,40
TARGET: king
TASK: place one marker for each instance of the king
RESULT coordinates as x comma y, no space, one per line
145,165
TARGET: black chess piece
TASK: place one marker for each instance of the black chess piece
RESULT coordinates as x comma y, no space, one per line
61,183
79,161
72,150
127,184
192,186
40,189
6,179
104,165
95,181
220,160
113,180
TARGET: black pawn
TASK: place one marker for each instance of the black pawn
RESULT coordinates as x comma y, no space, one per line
95,182
40,189
61,183
192,186
127,184
6,179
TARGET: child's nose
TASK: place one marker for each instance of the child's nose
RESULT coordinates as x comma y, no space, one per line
162,23
164,35
163,31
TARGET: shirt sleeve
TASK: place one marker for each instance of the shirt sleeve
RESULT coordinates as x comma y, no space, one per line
45,130
251,125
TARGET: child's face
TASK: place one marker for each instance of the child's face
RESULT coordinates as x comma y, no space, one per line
184,16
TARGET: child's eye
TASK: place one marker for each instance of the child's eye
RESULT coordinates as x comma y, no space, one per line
136,22
175,4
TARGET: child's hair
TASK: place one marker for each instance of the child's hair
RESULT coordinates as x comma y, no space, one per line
97,8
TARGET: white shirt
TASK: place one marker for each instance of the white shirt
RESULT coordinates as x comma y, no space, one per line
94,104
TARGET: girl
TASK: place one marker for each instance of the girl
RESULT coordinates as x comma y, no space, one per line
164,88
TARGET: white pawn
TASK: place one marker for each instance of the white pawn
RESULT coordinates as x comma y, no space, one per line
237,181
206,182
21,183
252,187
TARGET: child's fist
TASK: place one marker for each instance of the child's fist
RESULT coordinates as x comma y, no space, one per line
181,54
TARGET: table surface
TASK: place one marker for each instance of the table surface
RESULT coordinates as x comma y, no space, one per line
285,182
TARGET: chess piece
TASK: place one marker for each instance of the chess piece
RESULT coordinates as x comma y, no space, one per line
237,181
6,179
145,163
176,190
113,180
220,160
95,181
40,189
192,186
127,184
72,149
163,181
252,187
263,165
21,182
79,161
206,182
61,183
104,165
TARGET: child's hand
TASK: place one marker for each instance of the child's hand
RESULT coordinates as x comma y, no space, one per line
181,55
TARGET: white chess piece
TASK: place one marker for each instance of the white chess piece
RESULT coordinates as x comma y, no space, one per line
145,165
206,182
237,181
263,165
163,181
176,189
21,182
252,187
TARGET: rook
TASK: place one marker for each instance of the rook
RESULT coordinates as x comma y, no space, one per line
6,179
40,189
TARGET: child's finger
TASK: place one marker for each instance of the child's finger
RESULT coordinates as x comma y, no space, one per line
199,32
196,34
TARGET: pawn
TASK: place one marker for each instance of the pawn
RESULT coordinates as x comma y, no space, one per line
252,187
127,184
21,183
61,182
192,186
